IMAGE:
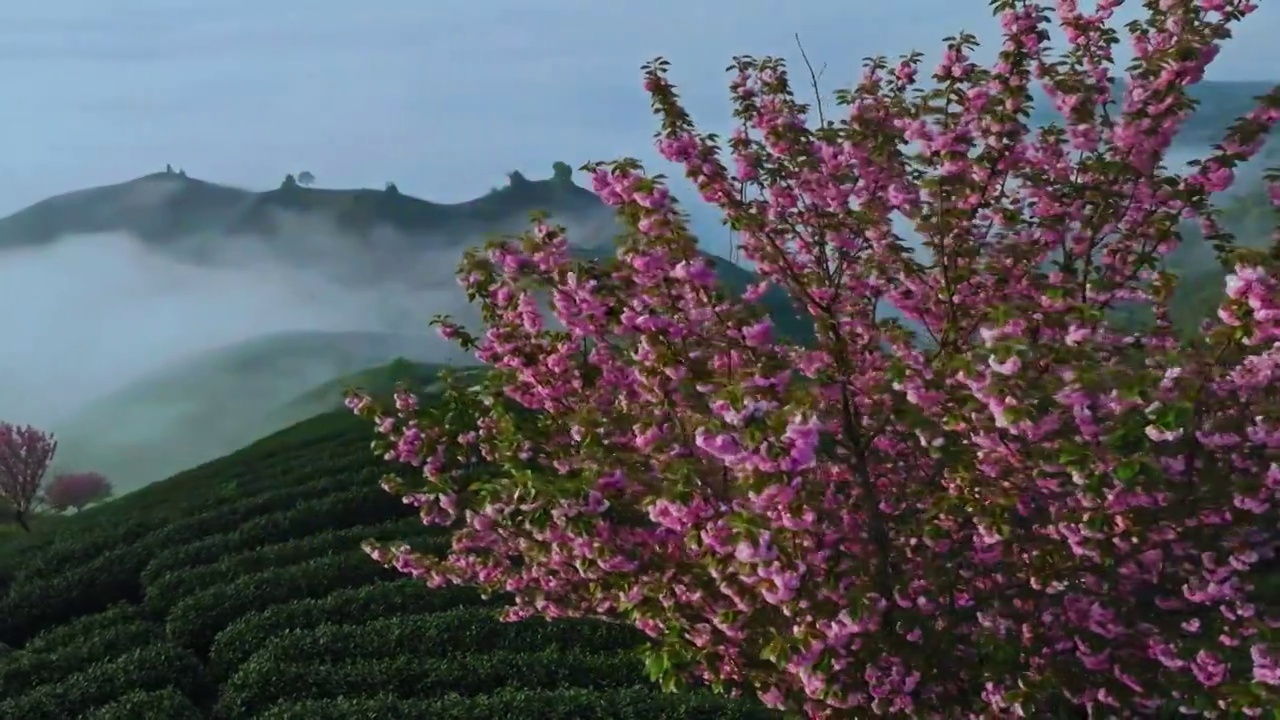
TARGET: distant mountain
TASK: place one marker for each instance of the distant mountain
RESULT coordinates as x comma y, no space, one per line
165,207
369,238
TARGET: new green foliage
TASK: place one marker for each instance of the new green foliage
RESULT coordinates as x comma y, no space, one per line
196,620
358,506
28,669
166,704
54,639
42,603
567,704
464,671
169,589
441,634
154,667
81,548
405,597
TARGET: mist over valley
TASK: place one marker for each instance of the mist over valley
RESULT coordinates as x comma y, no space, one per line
169,319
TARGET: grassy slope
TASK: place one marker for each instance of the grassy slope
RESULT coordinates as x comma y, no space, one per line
199,409
379,381
237,590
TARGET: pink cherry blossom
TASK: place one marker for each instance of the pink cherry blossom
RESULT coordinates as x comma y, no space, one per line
1004,506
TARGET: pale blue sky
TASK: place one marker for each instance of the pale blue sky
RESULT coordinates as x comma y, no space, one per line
442,96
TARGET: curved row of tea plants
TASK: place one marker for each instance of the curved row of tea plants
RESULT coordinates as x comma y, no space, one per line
238,590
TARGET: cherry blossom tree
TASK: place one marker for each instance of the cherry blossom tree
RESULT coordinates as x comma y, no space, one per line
76,490
25,454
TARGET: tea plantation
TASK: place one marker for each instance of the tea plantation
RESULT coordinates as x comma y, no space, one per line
238,590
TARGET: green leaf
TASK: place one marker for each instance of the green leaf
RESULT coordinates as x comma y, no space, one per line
1128,469
656,665
1173,417
774,650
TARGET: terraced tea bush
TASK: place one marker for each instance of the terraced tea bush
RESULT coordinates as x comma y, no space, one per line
189,490
167,704
289,462
115,577
119,580
28,670
443,633
243,553
196,620
161,502
57,556
194,493
365,505
260,685
300,467
571,704
42,603
406,596
154,667
54,639
230,517
172,588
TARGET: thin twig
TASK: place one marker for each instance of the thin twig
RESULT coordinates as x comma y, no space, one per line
814,77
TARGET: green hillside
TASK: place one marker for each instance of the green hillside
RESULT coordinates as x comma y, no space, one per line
238,590
214,402
378,381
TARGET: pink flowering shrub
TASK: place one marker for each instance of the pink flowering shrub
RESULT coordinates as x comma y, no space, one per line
25,454
76,490
1010,509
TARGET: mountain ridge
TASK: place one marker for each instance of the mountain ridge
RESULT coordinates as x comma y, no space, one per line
165,206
